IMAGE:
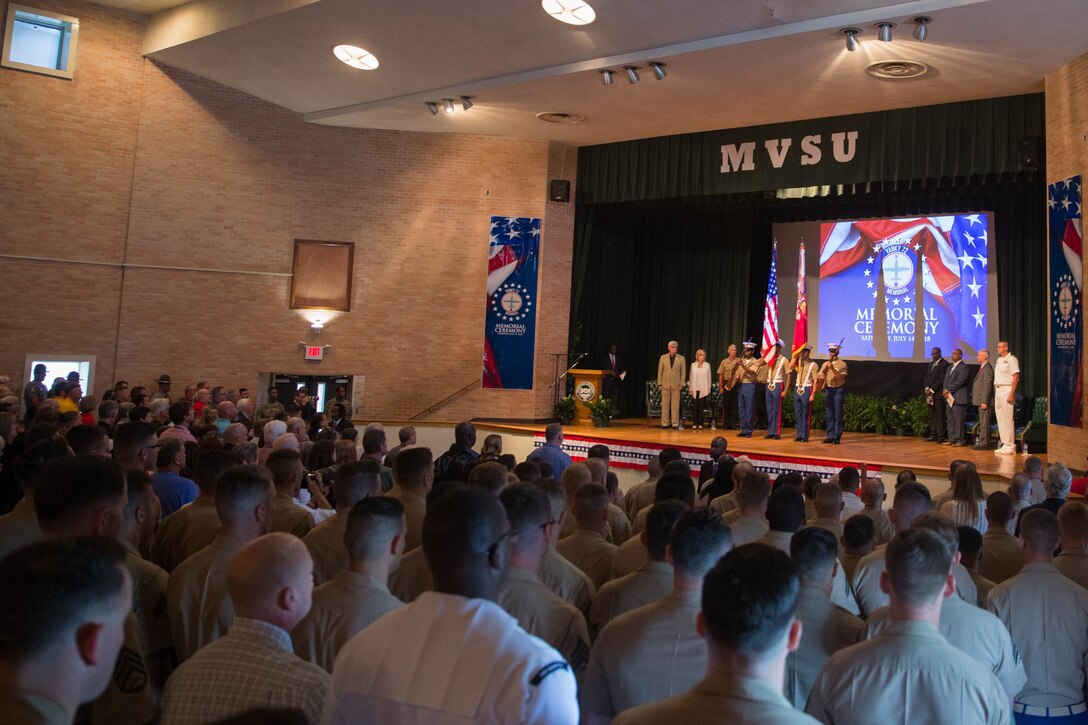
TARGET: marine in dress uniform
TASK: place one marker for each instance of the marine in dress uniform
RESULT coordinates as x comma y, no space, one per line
744,376
326,544
589,551
804,391
778,378
832,380
185,532
648,584
200,608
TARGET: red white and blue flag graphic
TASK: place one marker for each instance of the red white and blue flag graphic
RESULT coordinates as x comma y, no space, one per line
893,288
1066,283
510,332
770,311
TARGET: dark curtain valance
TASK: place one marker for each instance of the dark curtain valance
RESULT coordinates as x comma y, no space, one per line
955,140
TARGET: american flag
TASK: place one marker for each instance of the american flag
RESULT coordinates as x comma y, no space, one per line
800,325
770,311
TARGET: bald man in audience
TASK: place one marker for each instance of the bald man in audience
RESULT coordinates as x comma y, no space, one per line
1047,616
353,482
192,527
453,655
642,493
358,595
908,672
972,630
287,516
1002,556
141,518
86,496
270,433
199,607
1073,537
135,445
414,474
911,501
652,581
829,507
586,548
858,541
235,435
573,478
657,651
970,551
675,485
563,578
64,604
523,595
872,496
826,628
749,521
270,582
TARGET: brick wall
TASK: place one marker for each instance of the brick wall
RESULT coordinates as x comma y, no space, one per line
177,184
1067,155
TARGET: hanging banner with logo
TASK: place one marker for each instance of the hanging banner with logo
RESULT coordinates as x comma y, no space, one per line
1066,283
510,332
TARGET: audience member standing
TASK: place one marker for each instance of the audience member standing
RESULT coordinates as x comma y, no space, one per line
192,527
453,464
1073,531
173,489
552,451
252,666
490,669
586,548
353,482
1002,556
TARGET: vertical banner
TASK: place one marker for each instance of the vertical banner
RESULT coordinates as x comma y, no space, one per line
510,331
1066,282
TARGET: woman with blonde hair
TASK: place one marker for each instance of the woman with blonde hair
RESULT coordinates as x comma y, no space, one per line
492,448
345,452
967,507
699,387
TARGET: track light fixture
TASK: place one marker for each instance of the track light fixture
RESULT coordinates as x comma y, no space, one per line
851,38
432,107
921,26
632,73
606,76
884,33
447,105
658,69
466,103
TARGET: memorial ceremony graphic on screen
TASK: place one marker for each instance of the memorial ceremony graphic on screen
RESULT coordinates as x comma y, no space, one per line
510,334
892,289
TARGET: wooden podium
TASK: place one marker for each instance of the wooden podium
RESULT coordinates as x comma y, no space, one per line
587,389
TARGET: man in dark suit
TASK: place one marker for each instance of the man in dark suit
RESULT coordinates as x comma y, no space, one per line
709,468
954,391
938,411
612,364
982,396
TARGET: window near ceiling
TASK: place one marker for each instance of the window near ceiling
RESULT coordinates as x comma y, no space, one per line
40,41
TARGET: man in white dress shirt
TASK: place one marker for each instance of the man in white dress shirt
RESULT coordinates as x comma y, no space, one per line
453,655
1006,380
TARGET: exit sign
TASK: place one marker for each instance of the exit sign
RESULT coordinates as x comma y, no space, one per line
315,352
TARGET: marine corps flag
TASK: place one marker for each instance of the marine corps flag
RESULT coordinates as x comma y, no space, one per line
800,323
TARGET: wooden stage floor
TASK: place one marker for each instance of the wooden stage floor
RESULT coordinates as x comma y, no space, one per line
888,452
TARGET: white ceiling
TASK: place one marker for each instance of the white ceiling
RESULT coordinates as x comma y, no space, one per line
730,63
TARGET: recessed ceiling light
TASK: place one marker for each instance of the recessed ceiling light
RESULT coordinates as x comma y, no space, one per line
356,57
556,117
572,12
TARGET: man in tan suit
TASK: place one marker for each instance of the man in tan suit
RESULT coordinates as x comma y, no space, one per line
354,481
672,371
199,606
374,541
287,516
586,548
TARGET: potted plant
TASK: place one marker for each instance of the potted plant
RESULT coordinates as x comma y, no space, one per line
565,410
601,411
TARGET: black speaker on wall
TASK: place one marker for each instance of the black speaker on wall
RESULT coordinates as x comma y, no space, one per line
1032,149
559,190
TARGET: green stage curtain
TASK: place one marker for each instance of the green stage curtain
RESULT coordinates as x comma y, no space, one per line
695,269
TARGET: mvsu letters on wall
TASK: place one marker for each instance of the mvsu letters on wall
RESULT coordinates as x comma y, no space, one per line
779,151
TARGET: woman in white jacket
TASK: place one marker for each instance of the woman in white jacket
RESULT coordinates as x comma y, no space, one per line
699,386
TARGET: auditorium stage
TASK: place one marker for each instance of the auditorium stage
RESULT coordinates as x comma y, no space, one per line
632,442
